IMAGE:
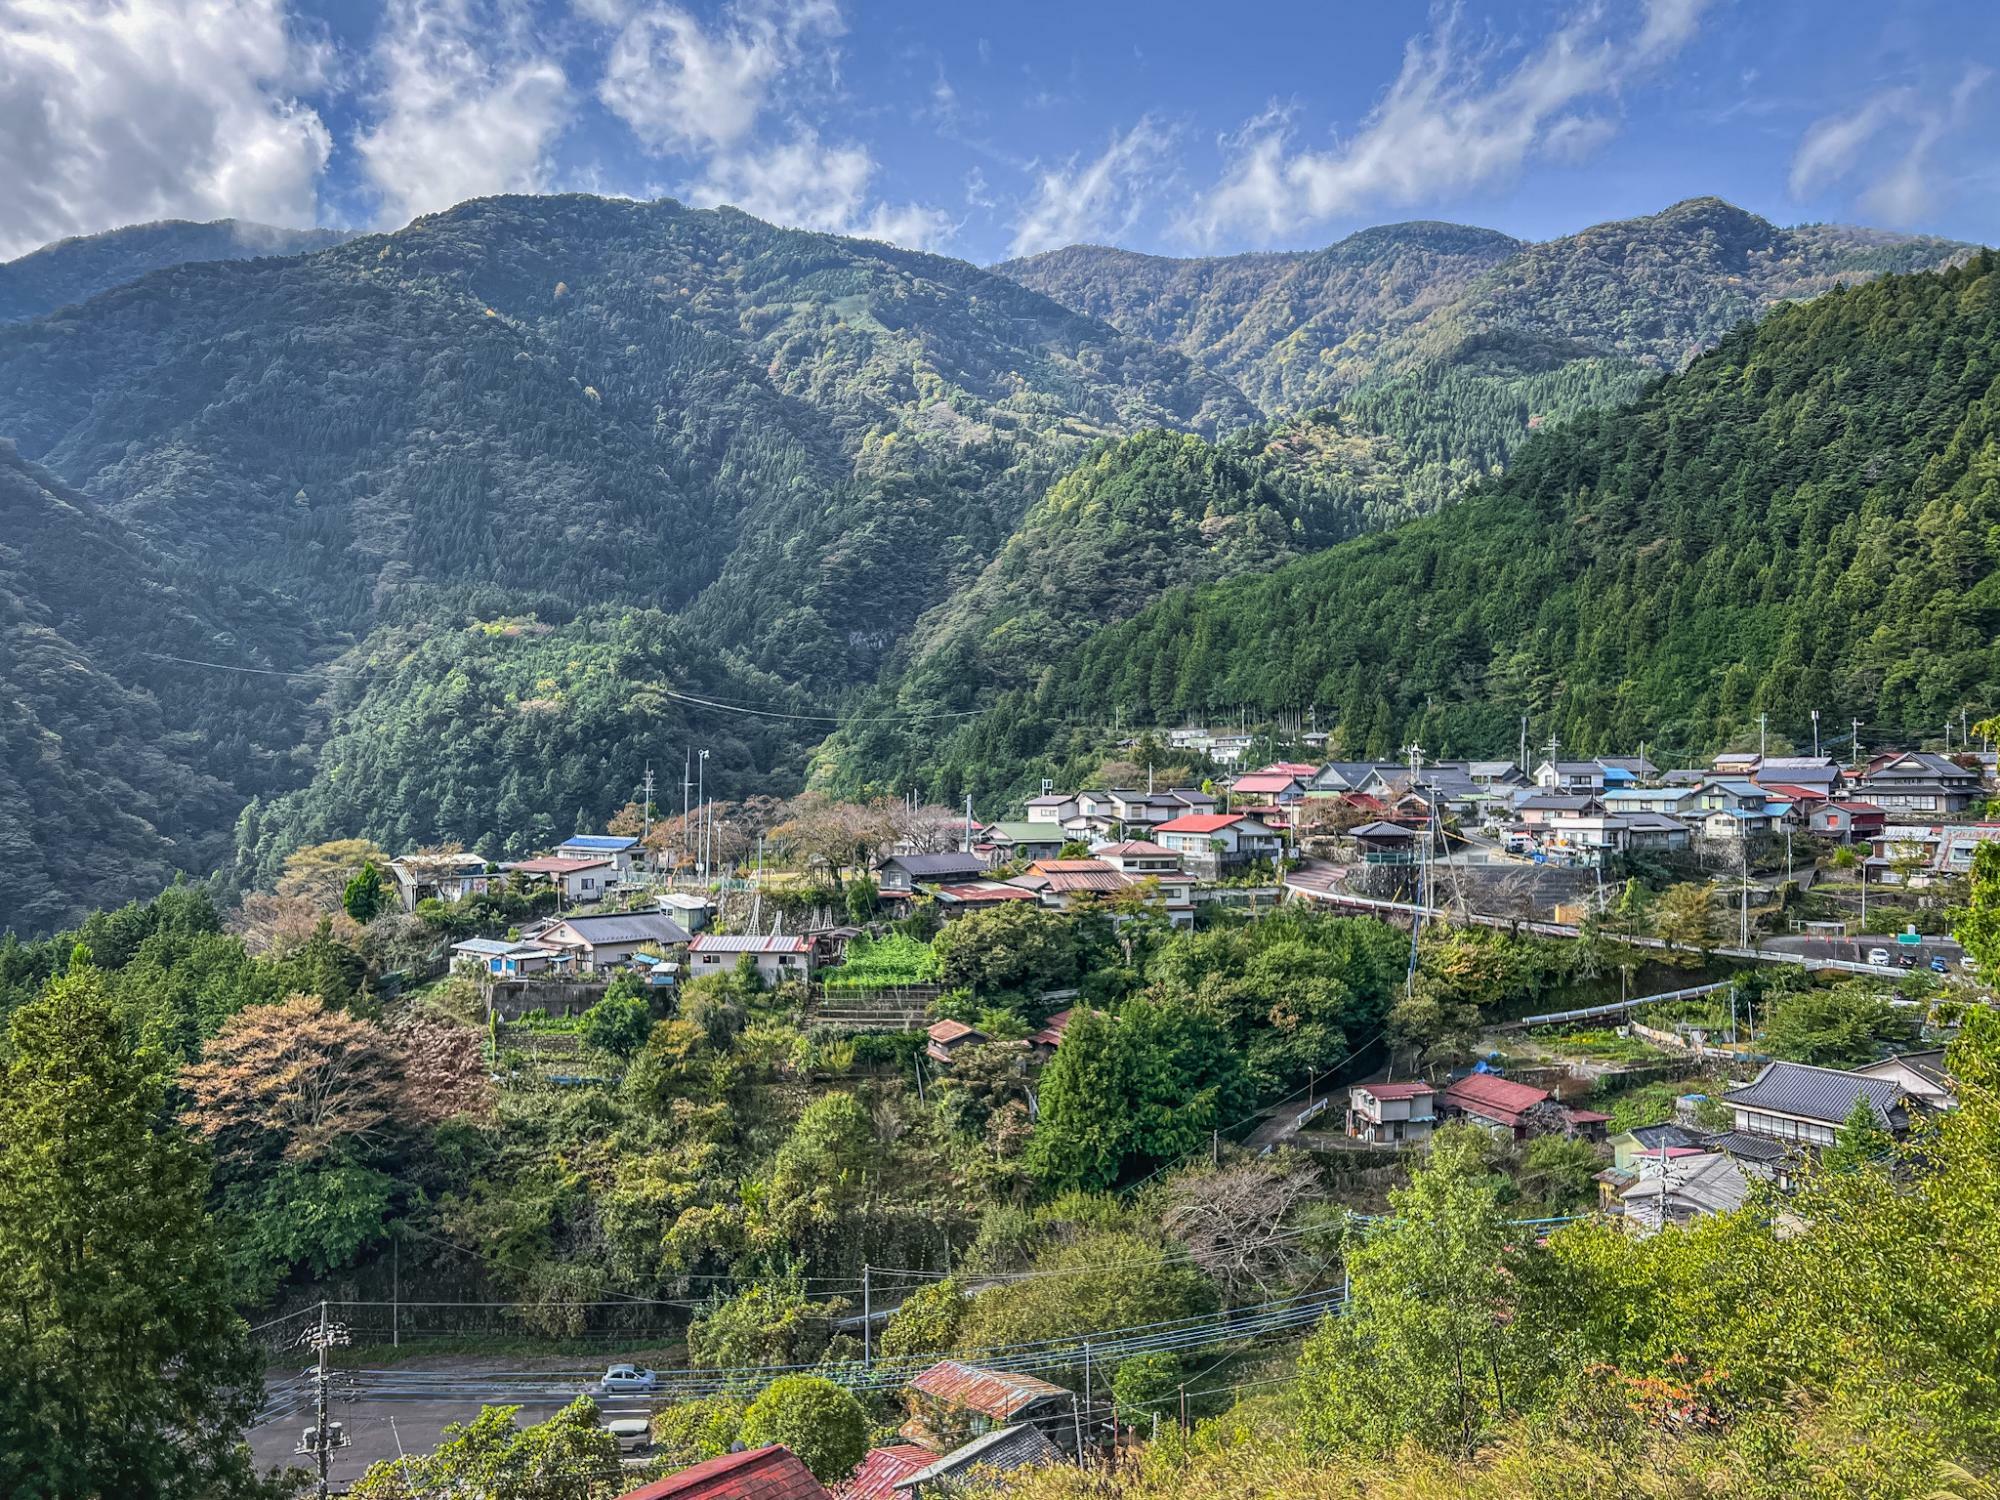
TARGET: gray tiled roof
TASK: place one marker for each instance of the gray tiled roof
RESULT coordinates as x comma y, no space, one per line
1757,1148
950,863
1002,1450
1668,1134
628,927
1825,1094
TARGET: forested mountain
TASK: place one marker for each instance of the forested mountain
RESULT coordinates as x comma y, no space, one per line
1292,331
72,270
1296,331
1805,518
609,401
118,763
509,735
1148,513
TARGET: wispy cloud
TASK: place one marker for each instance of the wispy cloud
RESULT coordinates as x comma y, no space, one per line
703,92
1454,119
809,184
684,86
1095,199
469,103
1890,139
115,111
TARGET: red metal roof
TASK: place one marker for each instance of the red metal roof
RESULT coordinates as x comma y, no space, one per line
1051,1034
772,1473
1264,781
1067,866
1138,848
1067,882
1001,1395
879,1471
1200,823
1494,1098
556,866
985,890
1397,1090
950,1031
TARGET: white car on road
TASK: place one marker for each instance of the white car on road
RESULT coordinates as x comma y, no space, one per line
1878,956
625,1380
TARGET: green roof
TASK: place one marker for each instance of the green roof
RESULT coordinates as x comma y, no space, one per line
1028,833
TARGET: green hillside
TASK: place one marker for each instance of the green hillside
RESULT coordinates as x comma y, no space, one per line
614,402
511,733
1805,518
119,764
74,270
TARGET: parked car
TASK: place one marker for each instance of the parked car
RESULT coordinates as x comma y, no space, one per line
622,1380
1968,963
1878,955
1938,965
1907,960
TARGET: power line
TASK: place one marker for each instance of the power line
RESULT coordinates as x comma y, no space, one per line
770,713
223,666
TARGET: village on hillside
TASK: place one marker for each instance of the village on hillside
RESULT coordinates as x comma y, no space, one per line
1720,885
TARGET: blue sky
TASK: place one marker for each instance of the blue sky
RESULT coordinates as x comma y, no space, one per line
984,131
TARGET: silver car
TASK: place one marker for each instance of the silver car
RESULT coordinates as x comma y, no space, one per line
625,1380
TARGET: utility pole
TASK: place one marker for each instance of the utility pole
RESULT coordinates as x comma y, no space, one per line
701,844
1815,719
1089,1391
687,785
867,1321
968,815
646,806
325,1435
1854,745
1763,724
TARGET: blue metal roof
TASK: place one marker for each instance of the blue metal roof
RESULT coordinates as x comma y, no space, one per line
598,843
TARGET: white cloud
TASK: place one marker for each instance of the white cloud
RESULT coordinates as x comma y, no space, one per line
1094,200
115,111
1451,121
469,105
1900,188
808,184
702,92
682,86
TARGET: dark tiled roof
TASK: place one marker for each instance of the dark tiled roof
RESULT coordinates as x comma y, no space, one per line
772,1473
933,865
1759,1148
1668,1134
1824,1094
1000,1451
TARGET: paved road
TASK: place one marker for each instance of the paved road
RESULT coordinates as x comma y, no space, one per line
1856,950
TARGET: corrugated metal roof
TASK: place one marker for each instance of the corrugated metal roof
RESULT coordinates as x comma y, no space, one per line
999,1394
879,1471
602,843
1493,1097
773,1473
716,942
938,864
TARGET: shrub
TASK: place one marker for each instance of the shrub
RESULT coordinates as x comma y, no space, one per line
821,1423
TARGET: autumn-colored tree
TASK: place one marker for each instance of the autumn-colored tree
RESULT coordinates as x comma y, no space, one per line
295,1075
929,828
273,926
319,873
823,834
444,1070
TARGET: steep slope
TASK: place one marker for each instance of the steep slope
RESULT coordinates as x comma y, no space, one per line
1457,342
1806,518
604,401
1292,331
73,270
121,761
509,734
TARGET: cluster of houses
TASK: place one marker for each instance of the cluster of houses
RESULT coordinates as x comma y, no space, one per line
1676,1170
966,1426
1584,809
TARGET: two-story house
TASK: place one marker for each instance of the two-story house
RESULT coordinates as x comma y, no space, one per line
1142,860
1570,777
1391,1113
1733,808
1212,842
1790,1101
627,856
1915,785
